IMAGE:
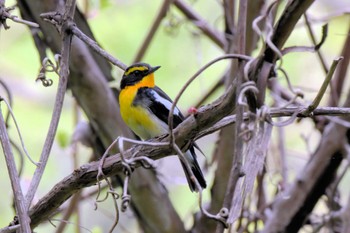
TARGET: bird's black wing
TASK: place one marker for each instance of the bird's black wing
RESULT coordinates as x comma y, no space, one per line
158,103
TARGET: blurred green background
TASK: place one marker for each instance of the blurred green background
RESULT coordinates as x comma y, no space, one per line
120,27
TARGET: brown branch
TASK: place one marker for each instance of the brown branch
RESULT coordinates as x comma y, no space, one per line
300,198
315,48
209,92
161,14
85,176
62,85
20,202
337,83
324,86
313,39
275,113
292,13
93,45
214,35
235,171
73,205
5,14
189,81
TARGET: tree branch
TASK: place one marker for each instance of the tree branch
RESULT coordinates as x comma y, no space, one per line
62,85
20,202
200,23
161,14
292,13
302,195
85,176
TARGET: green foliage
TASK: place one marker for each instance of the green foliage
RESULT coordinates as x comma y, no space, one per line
63,138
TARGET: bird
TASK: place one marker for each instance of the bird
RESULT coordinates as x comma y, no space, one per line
145,108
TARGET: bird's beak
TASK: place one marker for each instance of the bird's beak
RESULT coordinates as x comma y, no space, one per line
153,69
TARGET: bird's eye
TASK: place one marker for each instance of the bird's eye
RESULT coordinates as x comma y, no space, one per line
137,72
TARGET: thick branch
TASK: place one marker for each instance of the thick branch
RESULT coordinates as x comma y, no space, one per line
311,182
292,13
85,176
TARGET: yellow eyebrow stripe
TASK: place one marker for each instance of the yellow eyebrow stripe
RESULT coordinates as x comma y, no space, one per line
140,68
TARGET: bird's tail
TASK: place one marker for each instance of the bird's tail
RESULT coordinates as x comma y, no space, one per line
196,170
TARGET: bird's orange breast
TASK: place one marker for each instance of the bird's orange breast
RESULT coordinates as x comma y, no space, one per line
138,118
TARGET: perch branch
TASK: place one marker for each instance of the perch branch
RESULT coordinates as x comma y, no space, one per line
85,176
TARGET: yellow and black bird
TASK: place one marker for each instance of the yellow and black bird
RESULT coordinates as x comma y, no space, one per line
145,109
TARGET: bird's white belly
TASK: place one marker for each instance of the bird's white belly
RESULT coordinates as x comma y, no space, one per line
146,125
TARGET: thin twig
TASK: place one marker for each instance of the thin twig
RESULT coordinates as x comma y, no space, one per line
128,168
161,14
120,141
93,45
228,56
10,229
21,157
236,169
323,88
214,35
20,202
111,189
22,21
73,206
68,222
314,48
115,197
210,92
285,25
62,85
9,98
337,83
313,39
221,216
276,113
85,176
19,133
5,14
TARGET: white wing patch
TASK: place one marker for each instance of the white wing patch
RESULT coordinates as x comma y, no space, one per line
166,103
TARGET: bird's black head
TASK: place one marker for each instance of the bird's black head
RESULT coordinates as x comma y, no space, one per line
137,72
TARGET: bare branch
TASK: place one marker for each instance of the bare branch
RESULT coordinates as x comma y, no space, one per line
85,176
313,39
217,37
62,85
5,14
161,14
235,171
228,56
20,202
292,13
337,84
93,44
324,86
